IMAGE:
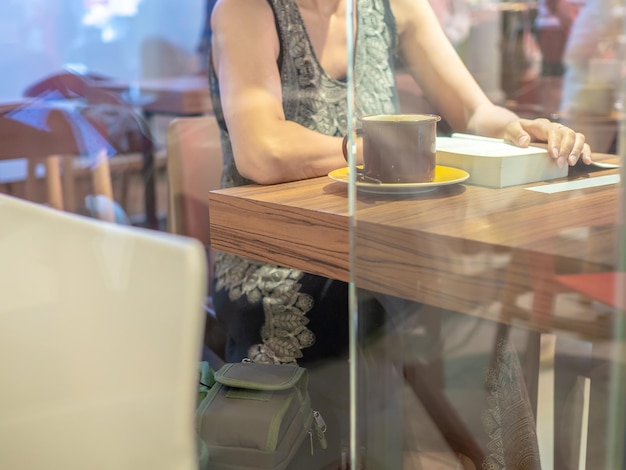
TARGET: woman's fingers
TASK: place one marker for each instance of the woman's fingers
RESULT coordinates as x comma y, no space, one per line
565,145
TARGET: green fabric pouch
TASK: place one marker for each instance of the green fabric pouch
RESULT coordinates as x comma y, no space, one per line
256,416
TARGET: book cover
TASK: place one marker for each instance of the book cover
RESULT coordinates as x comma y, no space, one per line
496,164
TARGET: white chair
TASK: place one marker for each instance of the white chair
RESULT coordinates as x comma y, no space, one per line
100,332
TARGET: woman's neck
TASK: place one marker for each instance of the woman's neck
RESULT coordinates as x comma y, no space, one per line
325,22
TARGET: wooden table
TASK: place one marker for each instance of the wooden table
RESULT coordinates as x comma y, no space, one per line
414,247
411,246
38,128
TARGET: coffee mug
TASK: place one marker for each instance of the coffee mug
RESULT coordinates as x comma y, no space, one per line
398,148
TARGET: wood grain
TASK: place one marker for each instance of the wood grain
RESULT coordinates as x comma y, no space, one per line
449,248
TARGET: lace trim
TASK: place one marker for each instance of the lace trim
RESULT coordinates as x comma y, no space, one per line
285,333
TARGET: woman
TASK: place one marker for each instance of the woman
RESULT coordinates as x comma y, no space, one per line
277,75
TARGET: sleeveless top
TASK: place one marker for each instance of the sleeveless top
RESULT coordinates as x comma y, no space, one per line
319,102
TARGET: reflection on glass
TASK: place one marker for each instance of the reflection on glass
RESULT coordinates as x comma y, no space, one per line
617,420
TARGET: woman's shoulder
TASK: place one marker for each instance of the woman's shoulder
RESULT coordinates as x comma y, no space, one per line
240,12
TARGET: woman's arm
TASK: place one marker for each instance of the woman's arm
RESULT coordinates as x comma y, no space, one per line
447,83
267,148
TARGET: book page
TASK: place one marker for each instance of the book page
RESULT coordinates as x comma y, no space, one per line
484,147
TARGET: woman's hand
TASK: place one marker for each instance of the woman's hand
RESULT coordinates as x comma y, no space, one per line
565,146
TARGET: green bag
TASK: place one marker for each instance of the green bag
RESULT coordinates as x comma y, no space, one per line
255,416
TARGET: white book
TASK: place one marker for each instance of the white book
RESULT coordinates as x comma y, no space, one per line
495,163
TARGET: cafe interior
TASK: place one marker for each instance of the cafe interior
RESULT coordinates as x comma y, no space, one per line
485,322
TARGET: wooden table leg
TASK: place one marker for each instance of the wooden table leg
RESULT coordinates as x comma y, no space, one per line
149,177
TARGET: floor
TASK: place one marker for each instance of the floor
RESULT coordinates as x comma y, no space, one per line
580,371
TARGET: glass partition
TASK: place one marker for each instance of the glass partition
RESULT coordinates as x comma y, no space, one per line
486,323
489,308
617,422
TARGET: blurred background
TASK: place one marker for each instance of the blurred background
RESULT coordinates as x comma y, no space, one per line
125,39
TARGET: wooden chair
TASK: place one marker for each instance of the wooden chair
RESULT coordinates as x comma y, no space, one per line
100,330
54,137
125,128
194,168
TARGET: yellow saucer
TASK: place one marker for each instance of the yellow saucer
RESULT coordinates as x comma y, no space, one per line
444,175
